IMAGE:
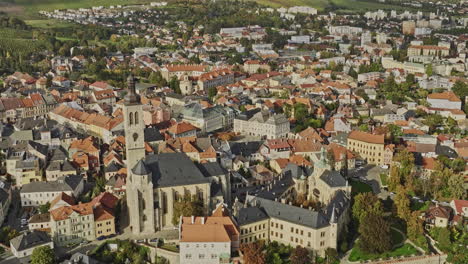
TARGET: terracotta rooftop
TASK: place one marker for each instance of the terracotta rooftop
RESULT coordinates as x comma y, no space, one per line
444,96
366,137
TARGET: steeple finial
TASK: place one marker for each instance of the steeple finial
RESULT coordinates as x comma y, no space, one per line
132,97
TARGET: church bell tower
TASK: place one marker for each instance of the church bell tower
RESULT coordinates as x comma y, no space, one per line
139,186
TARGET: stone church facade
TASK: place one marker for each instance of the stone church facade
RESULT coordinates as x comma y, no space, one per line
156,181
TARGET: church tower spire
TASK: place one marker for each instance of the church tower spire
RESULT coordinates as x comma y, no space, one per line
140,200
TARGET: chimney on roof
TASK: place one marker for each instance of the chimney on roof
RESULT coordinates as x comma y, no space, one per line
203,220
193,219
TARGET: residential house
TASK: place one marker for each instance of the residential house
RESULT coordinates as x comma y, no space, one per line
208,239
23,245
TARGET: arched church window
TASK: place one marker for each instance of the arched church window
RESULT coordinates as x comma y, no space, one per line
130,118
136,118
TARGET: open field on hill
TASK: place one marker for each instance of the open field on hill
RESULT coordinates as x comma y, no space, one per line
30,8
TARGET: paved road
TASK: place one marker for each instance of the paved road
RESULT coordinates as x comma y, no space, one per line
370,174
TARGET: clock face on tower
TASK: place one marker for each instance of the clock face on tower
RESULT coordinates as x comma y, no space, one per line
135,136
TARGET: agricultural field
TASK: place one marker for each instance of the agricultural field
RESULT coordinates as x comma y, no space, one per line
318,4
28,9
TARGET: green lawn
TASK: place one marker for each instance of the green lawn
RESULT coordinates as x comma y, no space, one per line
384,179
318,4
47,23
405,250
417,206
360,187
170,247
361,6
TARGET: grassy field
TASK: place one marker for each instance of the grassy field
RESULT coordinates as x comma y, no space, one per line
47,23
360,187
319,4
28,9
405,250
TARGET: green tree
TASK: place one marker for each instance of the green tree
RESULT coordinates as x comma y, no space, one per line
460,88
402,203
44,208
429,70
331,255
456,187
375,235
415,230
43,255
433,121
212,92
174,84
187,206
353,73
364,204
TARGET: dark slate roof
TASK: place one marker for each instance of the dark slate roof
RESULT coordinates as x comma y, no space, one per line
333,178
59,154
80,258
113,167
152,134
43,149
296,171
251,215
173,169
245,148
67,166
278,189
339,203
140,168
446,151
210,169
292,214
53,166
29,239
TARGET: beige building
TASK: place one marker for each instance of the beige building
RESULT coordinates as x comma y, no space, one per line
294,226
428,50
262,124
271,216
72,224
408,27
369,146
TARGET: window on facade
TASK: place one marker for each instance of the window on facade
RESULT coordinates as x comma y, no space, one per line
130,118
201,256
